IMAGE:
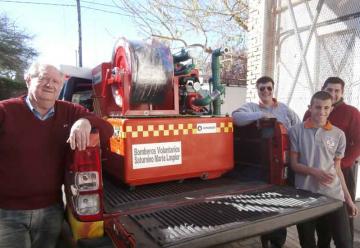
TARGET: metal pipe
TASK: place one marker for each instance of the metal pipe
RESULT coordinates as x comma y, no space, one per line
215,68
268,39
277,47
215,94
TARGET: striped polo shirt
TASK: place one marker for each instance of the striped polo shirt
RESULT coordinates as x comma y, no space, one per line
318,148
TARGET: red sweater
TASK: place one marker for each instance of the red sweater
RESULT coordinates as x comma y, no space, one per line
347,118
32,152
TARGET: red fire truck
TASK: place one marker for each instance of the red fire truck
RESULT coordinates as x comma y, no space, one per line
176,172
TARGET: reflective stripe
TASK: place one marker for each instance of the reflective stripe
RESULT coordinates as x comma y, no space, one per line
164,130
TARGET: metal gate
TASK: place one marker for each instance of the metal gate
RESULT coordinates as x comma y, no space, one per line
316,39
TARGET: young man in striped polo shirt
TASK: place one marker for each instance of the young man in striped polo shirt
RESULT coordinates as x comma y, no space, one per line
317,148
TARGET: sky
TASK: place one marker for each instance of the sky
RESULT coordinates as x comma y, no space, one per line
55,29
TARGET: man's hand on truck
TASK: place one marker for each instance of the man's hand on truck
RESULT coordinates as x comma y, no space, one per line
80,134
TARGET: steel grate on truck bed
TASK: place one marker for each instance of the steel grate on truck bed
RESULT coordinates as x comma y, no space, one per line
169,226
120,196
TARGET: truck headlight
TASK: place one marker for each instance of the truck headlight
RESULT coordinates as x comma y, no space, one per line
86,181
87,204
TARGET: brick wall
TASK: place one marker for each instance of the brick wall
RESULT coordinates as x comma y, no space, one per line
260,44
255,47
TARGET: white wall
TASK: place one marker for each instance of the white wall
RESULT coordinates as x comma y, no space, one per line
255,47
234,98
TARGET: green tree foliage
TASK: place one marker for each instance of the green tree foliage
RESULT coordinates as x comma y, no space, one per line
11,88
15,50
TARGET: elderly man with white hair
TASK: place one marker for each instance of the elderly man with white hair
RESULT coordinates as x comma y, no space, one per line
34,132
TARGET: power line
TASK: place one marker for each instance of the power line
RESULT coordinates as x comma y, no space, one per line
107,11
84,7
70,5
101,4
37,3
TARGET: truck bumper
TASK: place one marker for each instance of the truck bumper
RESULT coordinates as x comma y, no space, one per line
103,242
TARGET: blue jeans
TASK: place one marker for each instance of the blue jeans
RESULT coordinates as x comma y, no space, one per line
39,228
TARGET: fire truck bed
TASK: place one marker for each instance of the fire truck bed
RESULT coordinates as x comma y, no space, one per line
204,213
119,197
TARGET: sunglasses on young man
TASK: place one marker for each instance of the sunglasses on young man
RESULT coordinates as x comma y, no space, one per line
262,88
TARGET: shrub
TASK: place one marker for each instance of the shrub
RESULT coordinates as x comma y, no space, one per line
10,88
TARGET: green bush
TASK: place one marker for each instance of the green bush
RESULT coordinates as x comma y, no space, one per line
10,88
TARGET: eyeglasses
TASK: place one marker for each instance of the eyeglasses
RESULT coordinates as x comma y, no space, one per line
269,88
48,80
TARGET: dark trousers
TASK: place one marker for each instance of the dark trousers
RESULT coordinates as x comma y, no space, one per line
333,225
276,238
349,176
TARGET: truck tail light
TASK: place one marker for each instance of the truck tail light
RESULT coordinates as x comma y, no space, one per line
87,160
87,204
87,181
84,184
